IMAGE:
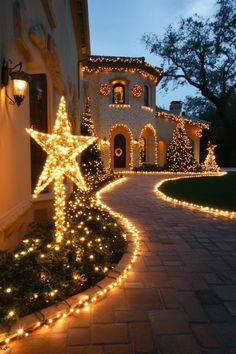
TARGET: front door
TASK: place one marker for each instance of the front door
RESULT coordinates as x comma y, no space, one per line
119,151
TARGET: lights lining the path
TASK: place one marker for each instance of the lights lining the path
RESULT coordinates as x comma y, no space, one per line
85,300
201,208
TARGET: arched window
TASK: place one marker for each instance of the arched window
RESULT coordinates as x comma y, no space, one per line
146,95
118,93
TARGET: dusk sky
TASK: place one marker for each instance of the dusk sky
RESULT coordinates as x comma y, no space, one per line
116,28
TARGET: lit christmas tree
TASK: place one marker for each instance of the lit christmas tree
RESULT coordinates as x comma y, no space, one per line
210,165
179,156
91,163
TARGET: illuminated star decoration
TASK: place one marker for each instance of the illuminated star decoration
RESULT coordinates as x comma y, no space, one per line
62,148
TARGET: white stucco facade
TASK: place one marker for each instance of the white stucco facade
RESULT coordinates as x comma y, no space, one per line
146,134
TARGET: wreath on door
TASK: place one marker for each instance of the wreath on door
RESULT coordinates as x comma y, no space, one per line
118,152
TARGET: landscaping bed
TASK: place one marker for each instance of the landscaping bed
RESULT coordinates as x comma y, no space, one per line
40,273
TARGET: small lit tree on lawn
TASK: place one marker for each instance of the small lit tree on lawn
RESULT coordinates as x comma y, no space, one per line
179,156
210,165
91,163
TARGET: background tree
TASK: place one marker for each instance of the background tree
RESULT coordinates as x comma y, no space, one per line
179,155
91,163
202,53
201,108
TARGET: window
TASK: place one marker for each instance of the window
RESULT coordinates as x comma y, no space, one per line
146,95
38,121
118,93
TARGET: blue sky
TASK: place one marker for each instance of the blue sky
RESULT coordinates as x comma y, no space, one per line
116,28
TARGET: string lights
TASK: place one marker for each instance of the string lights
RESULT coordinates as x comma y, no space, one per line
141,143
62,148
119,105
180,155
176,118
210,165
148,109
193,206
76,304
91,163
96,64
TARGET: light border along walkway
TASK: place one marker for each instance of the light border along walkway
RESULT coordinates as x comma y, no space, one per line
205,209
74,304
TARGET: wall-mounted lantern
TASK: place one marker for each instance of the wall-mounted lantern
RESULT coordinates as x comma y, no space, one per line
19,78
105,142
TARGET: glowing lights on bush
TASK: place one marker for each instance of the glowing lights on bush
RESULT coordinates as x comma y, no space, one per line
180,155
84,300
210,164
201,208
62,148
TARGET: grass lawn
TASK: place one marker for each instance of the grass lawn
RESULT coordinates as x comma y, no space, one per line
216,192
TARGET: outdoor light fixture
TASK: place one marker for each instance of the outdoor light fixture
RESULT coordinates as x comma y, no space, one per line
105,141
20,81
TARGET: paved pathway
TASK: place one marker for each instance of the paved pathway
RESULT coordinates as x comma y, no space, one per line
179,298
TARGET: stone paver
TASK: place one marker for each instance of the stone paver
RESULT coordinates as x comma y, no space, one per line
180,296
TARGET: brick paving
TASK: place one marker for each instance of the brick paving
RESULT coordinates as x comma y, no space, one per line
179,298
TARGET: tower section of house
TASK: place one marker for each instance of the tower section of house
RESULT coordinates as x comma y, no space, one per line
131,130
123,104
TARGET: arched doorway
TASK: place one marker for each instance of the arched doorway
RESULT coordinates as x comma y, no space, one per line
119,151
147,145
121,147
143,149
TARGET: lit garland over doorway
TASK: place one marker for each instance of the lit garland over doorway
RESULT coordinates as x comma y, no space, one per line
62,148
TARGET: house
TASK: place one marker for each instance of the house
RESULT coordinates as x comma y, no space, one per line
39,34
49,41
131,130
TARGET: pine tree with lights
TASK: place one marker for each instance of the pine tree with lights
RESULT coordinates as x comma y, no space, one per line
180,156
91,163
210,165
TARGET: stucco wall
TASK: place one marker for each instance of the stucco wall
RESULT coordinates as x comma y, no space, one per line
106,117
15,176
134,117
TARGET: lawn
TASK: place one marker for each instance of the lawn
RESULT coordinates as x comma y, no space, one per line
216,192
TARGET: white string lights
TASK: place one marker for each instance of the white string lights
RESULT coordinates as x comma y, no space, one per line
76,304
62,148
202,208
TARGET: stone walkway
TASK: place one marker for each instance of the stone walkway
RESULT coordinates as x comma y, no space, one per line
179,298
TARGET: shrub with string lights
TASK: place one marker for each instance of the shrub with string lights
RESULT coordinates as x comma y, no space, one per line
70,255
38,274
91,163
180,156
210,164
